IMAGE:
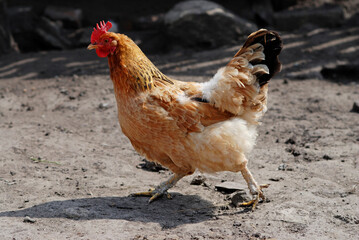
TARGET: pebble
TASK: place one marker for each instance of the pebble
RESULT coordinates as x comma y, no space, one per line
103,106
239,198
285,167
28,219
282,166
257,235
276,179
327,157
198,180
290,141
229,187
355,107
64,91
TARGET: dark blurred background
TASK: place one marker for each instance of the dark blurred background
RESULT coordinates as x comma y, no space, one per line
161,26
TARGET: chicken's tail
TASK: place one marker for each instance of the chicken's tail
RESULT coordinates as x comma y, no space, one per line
262,48
241,87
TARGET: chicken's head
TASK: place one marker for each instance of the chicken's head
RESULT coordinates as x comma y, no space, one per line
103,41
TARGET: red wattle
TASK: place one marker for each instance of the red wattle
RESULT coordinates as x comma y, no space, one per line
101,53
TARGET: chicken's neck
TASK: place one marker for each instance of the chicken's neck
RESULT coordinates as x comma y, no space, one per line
131,71
121,77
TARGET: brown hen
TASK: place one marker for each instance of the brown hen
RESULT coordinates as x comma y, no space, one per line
186,126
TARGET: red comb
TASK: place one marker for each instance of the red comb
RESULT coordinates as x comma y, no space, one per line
99,30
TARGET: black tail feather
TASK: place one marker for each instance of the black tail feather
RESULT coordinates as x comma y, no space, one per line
273,45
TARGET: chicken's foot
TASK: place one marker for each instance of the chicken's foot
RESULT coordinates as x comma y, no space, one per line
256,197
254,188
160,190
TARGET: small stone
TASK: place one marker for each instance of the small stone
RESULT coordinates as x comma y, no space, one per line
239,198
27,219
237,224
229,187
223,208
290,141
355,107
257,235
276,179
103,106
327,157
293,151
198,180
344,194
282,166
64,91
27,107
81,94
289,168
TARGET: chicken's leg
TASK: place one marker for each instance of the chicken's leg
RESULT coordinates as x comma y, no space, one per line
161,189
254,188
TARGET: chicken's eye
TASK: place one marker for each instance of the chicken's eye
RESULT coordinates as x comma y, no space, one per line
106,40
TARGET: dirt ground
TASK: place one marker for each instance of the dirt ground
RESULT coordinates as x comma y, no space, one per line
66,169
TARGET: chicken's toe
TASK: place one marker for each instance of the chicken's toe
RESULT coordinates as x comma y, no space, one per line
159,195
153,193
143,194
256,197
160,190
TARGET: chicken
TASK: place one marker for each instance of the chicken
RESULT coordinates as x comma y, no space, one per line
186,126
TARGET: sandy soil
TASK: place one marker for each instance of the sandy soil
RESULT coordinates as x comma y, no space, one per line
66,165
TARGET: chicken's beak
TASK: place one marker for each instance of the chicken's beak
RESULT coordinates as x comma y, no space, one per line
92,46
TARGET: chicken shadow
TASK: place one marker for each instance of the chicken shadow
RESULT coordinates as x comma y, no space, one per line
182,209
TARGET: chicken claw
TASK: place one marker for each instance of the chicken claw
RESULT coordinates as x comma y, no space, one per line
153,193
254,189
256,198
160,190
